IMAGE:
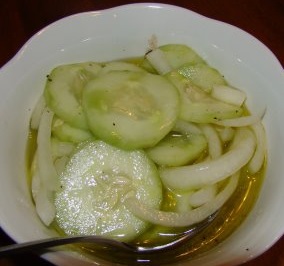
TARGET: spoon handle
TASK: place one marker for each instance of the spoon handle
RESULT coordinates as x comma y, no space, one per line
105,242
58,241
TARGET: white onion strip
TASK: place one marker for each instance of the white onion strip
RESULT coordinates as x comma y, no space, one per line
225,133
47,171
228,94
186,127
44,205
175,219
203,195
61,148
210,172
242,121
37,112
258,158
214,142
182,201
47,175
36,184
159,61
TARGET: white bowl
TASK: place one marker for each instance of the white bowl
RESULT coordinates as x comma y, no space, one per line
122,32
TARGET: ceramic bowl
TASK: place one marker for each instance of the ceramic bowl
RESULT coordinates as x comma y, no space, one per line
121,32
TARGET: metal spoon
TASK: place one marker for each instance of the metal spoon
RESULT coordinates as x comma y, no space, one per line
106,242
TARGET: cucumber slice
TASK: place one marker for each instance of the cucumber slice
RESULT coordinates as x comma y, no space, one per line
94,185
179,54
202,75
130,109
197,106
176,55
209,111
63,91
60,148
119,66
178,149
67,133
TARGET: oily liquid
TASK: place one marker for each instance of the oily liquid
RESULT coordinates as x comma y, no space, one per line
228,218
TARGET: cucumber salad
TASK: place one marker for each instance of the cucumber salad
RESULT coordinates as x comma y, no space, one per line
159,141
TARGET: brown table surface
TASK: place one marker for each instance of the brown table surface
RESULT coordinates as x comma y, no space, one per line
20,19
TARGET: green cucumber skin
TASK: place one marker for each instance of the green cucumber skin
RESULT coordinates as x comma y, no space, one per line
177,55
209,112
63,91
120,66
197,105
202,75
178,150
68,133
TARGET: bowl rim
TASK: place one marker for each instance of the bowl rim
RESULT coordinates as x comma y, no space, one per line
122,7
22,52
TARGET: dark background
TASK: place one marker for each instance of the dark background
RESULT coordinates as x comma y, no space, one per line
20,19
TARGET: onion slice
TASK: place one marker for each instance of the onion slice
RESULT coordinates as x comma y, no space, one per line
258,158
228,94
47,171
214,142
37,112
159,61
44,206
187,127
225,133
242,121
203,195
210,172
176,219
45,179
